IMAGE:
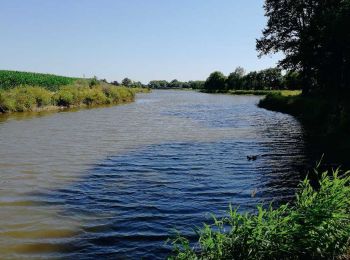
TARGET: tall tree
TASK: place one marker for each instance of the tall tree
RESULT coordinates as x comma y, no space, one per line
126,82
235,79
215,82
311,35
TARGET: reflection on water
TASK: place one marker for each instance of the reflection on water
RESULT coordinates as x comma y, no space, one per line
113,182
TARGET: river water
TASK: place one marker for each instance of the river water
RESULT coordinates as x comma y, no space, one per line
115,182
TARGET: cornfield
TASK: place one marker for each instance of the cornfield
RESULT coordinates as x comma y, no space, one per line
12,79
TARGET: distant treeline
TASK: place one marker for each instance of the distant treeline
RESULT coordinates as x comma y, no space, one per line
175,84
268,79
161,84
126,82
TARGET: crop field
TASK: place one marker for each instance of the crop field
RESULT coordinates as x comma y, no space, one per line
12,79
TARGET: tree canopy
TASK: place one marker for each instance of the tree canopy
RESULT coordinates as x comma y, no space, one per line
314,35
215,81
126,82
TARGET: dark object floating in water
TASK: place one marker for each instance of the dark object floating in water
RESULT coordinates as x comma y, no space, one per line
252,157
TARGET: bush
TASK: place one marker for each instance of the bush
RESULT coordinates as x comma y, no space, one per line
42,96
64,97
21,99
317,226
7,104
95,96
94,82
28,98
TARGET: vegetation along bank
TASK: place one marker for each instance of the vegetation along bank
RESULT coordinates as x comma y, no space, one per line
23,91
316,226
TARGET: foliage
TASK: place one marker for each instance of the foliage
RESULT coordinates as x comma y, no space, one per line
315,38
98,95
115,83
175,84
24,98
94,82
126,82
235,79
12,79
316,226
268,79
196,84
158,84
215,82
292,80
330,114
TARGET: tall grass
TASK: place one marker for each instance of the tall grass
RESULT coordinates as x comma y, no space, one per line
316,226
25,98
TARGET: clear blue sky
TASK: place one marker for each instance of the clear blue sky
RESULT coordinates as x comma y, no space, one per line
139,39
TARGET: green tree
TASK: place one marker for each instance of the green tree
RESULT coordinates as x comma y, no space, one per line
115,83
291,80
271,78
93,82
175,84
215,82
127,82
158,84
235,79
197,84
314,36
250,81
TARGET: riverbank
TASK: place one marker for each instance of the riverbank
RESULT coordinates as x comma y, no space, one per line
254,92
81,93
285,93
326,119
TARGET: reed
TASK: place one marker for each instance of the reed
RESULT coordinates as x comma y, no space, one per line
316,226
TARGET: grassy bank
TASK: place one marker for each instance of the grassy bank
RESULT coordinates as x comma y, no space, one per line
316,226
78,93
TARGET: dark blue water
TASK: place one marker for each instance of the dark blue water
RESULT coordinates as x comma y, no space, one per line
190,161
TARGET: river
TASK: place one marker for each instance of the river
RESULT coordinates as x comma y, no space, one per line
115,182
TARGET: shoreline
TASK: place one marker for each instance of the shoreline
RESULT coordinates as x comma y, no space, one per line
53,108
37,99
325,120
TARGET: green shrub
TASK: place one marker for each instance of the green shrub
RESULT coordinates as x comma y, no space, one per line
27,98
95,96
42,96
64,97
317,226
126,94
112,93
7,103
94,82
21,99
